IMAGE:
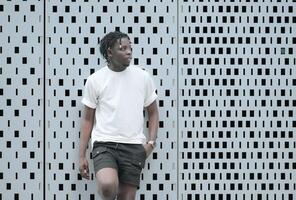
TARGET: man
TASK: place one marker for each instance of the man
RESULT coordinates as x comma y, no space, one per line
114,99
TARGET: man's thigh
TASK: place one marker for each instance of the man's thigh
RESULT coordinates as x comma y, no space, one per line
127,159
107,176
103,157
131,161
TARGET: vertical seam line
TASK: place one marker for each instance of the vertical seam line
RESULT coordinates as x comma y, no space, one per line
44,100
178,131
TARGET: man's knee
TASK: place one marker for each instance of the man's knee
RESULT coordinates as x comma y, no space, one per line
108,190
107,183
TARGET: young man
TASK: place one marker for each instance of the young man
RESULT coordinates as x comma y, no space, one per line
114,98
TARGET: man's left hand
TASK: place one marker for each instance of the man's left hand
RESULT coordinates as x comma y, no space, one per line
148,148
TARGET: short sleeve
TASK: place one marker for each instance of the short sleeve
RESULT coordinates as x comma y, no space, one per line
150,93
89,94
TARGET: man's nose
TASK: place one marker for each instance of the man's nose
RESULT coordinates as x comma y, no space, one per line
128,51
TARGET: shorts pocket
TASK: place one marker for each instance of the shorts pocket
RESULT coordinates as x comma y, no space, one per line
138,164
139,159
97,151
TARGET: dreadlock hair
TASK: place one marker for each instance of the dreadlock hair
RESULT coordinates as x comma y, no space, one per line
109,40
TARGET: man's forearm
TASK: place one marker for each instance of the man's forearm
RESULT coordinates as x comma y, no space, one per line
86,128
85,136
153,125
153,118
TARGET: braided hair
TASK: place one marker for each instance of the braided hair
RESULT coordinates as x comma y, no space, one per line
109,40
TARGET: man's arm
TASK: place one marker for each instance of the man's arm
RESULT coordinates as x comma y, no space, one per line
86,128
153,118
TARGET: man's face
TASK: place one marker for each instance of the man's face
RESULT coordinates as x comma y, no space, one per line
121,53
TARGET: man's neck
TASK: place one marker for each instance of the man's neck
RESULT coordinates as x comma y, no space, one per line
117,68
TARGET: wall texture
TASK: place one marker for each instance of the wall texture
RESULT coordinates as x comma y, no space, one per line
226,79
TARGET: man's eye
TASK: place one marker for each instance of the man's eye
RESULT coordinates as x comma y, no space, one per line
124,48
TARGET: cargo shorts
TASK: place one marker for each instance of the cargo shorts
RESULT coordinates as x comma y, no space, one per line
127,159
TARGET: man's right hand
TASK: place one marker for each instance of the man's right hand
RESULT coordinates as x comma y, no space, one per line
83,168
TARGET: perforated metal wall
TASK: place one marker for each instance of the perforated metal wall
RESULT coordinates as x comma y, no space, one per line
225,75
237,100
21,100
73,30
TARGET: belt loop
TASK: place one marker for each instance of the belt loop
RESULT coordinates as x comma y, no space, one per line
116,146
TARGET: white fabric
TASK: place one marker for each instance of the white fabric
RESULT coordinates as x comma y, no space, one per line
119,99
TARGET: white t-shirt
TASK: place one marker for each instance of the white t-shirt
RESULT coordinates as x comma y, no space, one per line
119,99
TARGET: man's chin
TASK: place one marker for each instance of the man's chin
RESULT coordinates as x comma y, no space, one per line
126,64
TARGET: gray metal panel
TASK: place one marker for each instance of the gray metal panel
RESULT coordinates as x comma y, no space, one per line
21,110
235,144
65,84
227,128
70,62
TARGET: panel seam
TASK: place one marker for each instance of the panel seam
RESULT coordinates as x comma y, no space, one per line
178,131
44,100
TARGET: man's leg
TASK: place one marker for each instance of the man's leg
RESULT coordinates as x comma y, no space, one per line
127,192
107,179
131,162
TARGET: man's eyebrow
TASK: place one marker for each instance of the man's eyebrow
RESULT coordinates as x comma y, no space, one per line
120,43
124,45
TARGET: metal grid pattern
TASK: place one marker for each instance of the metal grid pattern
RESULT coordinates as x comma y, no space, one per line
237,82
21,100
225,74
73,31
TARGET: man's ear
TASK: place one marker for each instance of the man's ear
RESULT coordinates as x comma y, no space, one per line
109,52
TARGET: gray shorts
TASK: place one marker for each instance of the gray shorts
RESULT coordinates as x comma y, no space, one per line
127,159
